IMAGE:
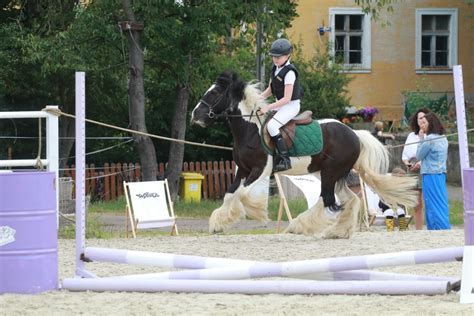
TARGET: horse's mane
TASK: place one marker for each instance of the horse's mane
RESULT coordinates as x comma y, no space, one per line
247,94
251,102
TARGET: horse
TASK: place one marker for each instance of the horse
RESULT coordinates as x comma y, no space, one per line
343,149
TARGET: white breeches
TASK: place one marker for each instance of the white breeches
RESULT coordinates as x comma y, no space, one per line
283,116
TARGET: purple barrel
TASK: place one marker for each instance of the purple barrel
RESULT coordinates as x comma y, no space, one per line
468,192
28,232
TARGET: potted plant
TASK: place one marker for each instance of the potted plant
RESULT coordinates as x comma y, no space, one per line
367,113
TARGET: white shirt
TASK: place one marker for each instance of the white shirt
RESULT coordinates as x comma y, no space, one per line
409,151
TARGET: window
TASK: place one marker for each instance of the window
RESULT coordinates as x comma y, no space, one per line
436,39
351,38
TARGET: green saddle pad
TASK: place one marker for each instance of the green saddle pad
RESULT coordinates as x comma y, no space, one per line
308,141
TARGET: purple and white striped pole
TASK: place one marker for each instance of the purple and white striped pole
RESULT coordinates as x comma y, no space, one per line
157,259
291,269
220,269
166,260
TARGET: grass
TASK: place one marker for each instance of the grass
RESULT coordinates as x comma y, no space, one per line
456,213
202,210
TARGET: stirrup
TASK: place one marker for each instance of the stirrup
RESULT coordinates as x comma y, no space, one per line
282,165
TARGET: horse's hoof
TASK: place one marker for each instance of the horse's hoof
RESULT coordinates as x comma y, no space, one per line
333,210
215,231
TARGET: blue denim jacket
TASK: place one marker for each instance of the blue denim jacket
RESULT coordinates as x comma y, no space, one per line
433,154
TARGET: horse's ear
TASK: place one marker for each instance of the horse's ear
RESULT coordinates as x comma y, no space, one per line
225,79
237,90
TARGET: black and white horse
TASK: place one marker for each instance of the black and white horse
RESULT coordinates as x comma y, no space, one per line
343,149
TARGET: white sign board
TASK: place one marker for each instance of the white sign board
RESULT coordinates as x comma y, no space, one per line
149,204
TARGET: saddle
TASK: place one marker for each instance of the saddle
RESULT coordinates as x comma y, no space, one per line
288,130
302,135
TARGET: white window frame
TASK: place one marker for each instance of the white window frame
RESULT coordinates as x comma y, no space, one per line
366,65
453,39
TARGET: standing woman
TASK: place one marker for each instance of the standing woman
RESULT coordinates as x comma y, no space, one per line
432,153
412,164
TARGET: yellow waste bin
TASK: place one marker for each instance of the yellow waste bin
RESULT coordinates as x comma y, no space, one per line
191,186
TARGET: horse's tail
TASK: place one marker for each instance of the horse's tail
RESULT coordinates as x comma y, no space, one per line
372,165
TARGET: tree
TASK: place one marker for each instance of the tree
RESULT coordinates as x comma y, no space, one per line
375,7
145,147
183,51
324,86
182,59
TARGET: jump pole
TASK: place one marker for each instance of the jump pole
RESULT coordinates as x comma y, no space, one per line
222,268
351,275
294,268
261,287
467,178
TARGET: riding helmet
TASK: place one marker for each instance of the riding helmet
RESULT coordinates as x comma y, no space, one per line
280,47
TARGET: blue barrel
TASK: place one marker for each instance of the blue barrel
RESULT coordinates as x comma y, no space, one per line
28,232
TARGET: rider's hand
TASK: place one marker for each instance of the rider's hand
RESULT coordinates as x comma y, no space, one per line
263,110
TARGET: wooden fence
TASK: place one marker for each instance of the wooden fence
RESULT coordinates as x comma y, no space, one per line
106,183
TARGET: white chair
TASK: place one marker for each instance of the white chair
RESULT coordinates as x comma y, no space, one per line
149,205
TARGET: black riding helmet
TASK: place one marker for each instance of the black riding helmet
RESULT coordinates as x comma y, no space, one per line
280,47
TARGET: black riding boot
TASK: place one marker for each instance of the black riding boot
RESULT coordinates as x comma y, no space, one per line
282,160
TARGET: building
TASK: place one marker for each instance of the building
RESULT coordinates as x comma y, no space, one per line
412,48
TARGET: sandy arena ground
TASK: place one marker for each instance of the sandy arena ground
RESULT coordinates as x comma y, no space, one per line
270,247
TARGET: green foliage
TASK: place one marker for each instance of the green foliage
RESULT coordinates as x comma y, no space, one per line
185,44
376,7
324,86
424,96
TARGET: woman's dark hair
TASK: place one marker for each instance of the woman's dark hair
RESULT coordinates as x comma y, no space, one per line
434,124
414,119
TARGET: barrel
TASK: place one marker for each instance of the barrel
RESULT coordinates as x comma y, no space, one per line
28,232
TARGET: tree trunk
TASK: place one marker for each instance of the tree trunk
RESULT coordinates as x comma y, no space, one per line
67,131
178,131
67,126
145,147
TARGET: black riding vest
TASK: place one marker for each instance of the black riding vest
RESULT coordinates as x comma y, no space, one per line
278,83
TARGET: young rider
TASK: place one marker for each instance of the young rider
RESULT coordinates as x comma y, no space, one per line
284,86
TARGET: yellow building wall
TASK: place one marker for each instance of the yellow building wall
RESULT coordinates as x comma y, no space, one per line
392,51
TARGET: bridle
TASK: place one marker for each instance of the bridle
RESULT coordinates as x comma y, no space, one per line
211,113
227,113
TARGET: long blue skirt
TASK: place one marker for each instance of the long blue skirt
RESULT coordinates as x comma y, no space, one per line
435,196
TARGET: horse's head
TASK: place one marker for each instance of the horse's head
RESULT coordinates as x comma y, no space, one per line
220,99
